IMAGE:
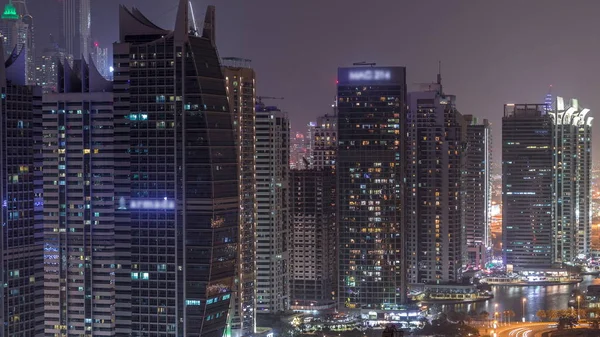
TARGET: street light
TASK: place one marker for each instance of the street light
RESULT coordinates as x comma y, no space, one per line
495,312
524,300
578,298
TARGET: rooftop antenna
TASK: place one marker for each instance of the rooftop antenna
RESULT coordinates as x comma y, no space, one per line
364,63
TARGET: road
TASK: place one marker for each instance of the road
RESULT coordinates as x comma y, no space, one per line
524,329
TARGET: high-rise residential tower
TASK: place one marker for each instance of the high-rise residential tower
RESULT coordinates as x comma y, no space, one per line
241,81
175,129
572,182
80,236
434,204
324,142
76,28
273,219
21,106
370,173
476,185
313,237
527,186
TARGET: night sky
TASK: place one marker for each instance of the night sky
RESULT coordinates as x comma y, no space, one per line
492,52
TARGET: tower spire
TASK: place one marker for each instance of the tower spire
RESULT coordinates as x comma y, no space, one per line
182,21
209,31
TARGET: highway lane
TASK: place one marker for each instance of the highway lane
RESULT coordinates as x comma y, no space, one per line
533,329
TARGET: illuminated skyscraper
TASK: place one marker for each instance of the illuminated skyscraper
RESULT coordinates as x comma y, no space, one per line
21,106
240,80
76,28
572,180
370,174
80,236
434,205
46,69
546,183
527,186
477,191
175,132
100,58
274,220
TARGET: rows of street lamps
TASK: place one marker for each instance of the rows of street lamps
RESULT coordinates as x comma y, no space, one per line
523,309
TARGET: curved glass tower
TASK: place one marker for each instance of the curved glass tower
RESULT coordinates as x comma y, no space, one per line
177,135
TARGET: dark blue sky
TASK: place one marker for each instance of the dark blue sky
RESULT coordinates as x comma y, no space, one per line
492,52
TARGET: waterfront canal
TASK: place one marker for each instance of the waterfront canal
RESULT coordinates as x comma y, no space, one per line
554,297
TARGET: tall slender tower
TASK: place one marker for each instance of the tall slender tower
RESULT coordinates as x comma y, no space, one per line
434,209
477,194
175,130
370,183
76,28
273,219
572,162
20,109
240,80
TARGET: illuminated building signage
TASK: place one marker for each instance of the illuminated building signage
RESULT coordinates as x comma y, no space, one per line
369,75
152,204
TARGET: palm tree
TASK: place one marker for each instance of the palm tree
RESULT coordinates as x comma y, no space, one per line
541,314
510,314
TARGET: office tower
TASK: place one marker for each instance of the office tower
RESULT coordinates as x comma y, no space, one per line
434,209
477,191
76,28
313,253
176,131
16,31
572,162
527,186
86,264
370,173
273,219
324,142
240,80
21,106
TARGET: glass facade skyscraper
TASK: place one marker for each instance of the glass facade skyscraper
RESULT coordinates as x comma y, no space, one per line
183,201
370,171
76,28
546,172
527,186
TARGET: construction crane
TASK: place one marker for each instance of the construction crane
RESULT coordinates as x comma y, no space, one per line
260,98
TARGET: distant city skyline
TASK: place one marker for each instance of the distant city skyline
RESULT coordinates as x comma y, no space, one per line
485,61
